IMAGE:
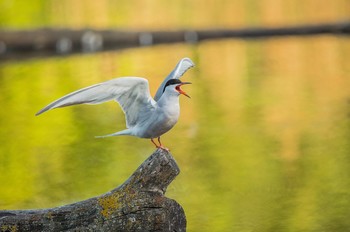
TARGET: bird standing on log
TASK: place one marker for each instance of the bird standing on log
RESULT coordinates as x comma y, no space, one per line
145,117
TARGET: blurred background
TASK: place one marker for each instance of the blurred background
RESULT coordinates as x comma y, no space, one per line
263,144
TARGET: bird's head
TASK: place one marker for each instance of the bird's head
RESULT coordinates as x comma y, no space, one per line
175,85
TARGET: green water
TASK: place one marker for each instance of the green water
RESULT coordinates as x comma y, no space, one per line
263,144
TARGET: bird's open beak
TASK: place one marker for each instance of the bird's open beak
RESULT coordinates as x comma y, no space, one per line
180,90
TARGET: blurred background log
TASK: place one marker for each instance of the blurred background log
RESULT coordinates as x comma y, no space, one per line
45,42
137,205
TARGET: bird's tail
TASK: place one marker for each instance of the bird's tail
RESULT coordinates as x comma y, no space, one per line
123,132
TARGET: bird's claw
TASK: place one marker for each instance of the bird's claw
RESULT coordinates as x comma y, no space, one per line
164,148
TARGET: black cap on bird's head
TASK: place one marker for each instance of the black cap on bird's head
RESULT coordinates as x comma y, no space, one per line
178,84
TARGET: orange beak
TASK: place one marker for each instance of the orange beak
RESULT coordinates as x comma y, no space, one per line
178,88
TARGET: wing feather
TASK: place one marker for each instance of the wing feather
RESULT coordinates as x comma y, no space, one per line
132,94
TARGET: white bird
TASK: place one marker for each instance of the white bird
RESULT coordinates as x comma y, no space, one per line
145,117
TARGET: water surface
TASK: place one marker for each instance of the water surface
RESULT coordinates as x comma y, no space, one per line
263,144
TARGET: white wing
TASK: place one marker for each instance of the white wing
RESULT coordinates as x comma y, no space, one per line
178,71
132,93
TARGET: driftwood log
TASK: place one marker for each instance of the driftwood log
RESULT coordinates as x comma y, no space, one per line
137,205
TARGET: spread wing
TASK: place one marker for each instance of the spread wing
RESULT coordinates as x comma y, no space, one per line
132,93
178,71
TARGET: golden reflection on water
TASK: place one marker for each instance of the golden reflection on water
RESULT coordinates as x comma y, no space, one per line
263,144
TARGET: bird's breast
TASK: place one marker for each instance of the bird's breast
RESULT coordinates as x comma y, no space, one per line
160,122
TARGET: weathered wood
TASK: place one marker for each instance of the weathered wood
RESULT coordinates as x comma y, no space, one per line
137,205
22,44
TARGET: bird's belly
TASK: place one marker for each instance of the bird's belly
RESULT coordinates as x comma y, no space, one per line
158,127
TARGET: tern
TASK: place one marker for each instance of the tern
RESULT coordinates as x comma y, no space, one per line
146,117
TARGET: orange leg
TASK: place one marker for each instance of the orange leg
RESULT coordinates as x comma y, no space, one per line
160,144
157,146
